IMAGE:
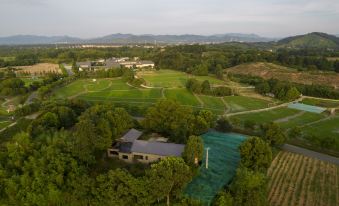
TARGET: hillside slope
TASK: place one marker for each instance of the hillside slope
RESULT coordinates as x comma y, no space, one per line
311,40
269,70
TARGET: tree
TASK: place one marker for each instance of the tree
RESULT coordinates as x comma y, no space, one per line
169,118
205,87
274,135
203,120
263,88
168,178
292,94
223,125
249,188
336,66
224,199
193,152
219,72
255,154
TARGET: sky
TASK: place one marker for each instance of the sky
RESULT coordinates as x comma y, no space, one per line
94,18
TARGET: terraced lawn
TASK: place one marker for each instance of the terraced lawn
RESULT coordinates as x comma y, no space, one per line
326,128
83,85
242,103
213,103
266,116
305,118
132,95
182,96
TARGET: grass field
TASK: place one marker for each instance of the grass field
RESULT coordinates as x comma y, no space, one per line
242,103
183,96
4,124
29,81
305,118
300,180
213,103
266,116
7,58
321,103
172,79
326,128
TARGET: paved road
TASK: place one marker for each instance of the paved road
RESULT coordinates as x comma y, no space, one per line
309,153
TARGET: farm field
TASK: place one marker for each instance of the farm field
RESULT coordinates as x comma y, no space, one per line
39,69
266,116
299,180
242,103
270,70
173,79
321,103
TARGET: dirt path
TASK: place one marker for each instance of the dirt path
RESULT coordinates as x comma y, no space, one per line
199,100
227,107
286,119
312,154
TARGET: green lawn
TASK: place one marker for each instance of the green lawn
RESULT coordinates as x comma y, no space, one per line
129,96
28,81
212,103
4,124
183,96
171,79
321,103
80,86
242,103
325,128
7,58
267,116
100,84
306,118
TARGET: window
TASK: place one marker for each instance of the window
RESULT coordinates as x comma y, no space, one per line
138,157
113,153
125,157
146,158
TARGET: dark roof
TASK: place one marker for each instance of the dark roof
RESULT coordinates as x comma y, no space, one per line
84,63
146,62
157,148
131,135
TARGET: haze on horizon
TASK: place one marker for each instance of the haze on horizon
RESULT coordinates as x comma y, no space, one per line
88,18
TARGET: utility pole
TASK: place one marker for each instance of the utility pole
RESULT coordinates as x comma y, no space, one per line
207,149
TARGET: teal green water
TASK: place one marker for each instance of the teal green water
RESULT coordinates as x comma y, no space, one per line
223,161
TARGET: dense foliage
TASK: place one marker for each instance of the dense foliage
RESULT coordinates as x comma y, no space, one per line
178,122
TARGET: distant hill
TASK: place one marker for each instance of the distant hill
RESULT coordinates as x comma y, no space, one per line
131,38
311,40
32,39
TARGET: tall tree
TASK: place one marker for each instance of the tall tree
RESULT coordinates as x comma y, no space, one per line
255,154
274,135
193,152
168,178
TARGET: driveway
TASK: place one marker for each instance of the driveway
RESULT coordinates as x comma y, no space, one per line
309,153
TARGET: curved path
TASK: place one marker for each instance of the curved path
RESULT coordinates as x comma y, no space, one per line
261,110
309,153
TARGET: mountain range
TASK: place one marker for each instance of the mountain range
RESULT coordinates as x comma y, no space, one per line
131,38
